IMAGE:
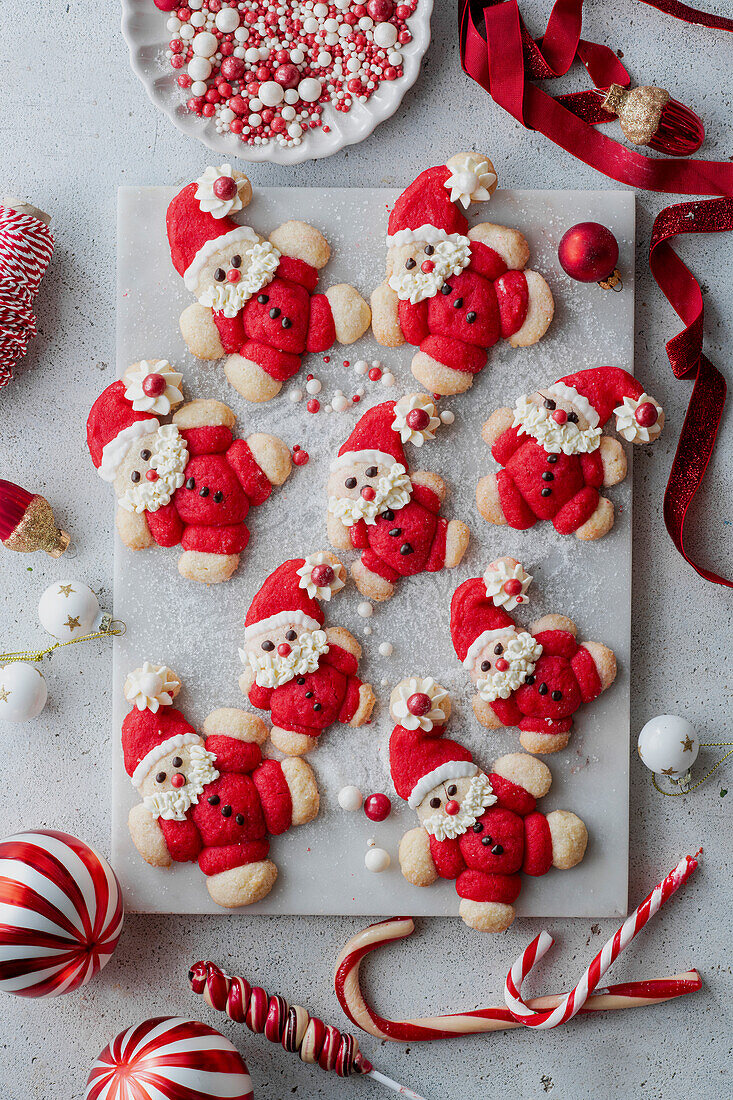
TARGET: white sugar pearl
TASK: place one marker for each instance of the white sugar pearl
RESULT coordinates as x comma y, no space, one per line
388,379
377,860
313,385
198,88
386,649
327,408
264,53
350,798
295,130
296,56
310,25
271,93
255,120
353,65
331,25
372,842
241,34
187,31
205,44
366,23
309,89
324,59
255,104
377,363
342,5
196,5
252,54
198,19
365,609
227,20
239,51
291,96
384,682
227,115
296,396
199,68
174,23
288,113
367,630
340,403
447,416
394,58
321,10
361,366
385,35
344,30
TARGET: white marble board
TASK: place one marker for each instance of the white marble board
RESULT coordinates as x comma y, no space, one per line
197,630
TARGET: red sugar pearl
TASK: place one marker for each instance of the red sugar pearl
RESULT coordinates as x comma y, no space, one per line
232,68
390,73
313,405
238,105
263,73
300,457
208,110
404,37
375,374
322,575
177,61
377,807
419,704
184,81
513,587
184,14
501,665
417,419
225,187
236,126
646,414
403,11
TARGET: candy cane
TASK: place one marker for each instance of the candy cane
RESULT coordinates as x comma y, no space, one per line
479,1020
26,246
573,1002
290,1025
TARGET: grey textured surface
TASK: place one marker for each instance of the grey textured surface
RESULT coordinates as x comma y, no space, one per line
74,125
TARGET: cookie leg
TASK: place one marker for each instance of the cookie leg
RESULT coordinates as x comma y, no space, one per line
371,584
437,378
486,916
195,565
456,543
599,523
249,379
242,885
540,311
294,744
543,742
303,790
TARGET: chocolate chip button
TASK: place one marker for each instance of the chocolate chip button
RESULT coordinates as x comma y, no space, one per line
218,496
309,694
529,680
274,312
556,696
546,492
226,811
214,800
486,841
160,777
470,317
485,666
552,459
316,706
395,532
300,680
263,299
239,819
478,827
286,322
220,274
458,304
497,850
204,492
388,514
446,288
268,646
548,476
145,454
543,688
135,476
405,548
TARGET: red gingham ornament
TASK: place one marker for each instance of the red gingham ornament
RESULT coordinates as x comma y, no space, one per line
169,1058
26,246
61,913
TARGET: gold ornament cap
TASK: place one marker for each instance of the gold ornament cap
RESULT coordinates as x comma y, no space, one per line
38,531
639,110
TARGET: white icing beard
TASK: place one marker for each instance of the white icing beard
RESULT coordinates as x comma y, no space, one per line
172,805
522,652
169,460
271,670
391,491
568,438
450,258
259,264
478,797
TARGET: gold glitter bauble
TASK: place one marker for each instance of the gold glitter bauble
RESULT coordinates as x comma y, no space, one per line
639,110
38,531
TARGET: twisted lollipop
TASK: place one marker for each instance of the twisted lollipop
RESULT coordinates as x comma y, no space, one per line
290,1025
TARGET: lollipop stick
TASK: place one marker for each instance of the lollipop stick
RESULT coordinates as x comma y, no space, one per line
401,1090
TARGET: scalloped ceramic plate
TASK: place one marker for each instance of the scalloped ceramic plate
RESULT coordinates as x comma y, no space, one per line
144,30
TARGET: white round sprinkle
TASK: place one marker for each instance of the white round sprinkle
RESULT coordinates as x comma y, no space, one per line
187,31
198,87
309,89
340,403
377,860
205,44
255,120
255,103
365,609
296,396
350,798
288,113
227,20
271,93
252,54
377,363
388,379
447,416
395,58
385,35
296,56
199,68
367,630
386,649
372,842
361,366
313,385
384,682
291,95
295,130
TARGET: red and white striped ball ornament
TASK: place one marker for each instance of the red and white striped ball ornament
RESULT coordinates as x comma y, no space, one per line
61,913
169,1058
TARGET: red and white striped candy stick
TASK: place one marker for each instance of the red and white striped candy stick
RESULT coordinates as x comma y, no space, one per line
573,1002
479,1020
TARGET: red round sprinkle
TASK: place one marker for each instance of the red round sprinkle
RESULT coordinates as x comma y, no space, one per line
208,110
177,61
417,419
154,385
368,493
427,266
356,398
380,10
300,457
501,665
283,649
559,416
233,275
326,359
233,68
646,414
152,475
513,587
419,704
452,807
287,75
178,780
313,405
322,575
377,807
375,374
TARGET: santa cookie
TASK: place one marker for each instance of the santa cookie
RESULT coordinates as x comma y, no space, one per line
187,481
256,305
534,679
554,458
452,291
481,829
392,515
208,797
303,674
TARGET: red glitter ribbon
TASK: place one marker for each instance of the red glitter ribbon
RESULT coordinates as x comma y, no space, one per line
503,60
26,246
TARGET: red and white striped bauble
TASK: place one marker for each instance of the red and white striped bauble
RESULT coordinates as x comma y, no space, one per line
169,1058
61,913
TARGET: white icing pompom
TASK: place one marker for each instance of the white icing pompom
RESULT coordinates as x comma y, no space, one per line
227,20
386,649
447,416
350,798
385,35
365,609
271,93
69,609
199,68
205,44
313,385
309,89
23,692
377,860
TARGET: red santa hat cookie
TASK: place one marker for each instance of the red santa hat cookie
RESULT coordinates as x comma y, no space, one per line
378,437
480,607
293,594
420,756
426,210
599,392
149,733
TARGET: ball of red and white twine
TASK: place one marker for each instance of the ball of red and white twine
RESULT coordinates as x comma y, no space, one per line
26,246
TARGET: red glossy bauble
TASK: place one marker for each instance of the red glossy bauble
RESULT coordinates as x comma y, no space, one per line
588,252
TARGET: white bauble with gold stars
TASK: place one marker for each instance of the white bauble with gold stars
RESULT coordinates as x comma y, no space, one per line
668,745
69,609
23,692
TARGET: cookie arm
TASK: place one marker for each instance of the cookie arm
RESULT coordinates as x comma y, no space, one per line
182,839
340,659
260,697
321,327
359,535
537,845
593,467
507,711
557,643
447,857
165,525
423,494
507,443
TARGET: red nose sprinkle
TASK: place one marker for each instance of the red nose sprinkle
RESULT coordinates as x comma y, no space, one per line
418,704
178,780
427,266
501,665
452,807
417,419
368,493
153,385
513,587
283,649
233,275
559,416
646,415
225,188
152,475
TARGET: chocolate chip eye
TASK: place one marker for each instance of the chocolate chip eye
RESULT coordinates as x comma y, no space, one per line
372,471
478,827
446,288
190,483
135,476
291,635
176,761
429,249
573,418
452,789
274,312
556,696
220,275
549,404
485,666
204,492
268,646
263,299
499,648
160,777
145,454
350,483
286,322
435,802
218,496
236,261
410,263
529,680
